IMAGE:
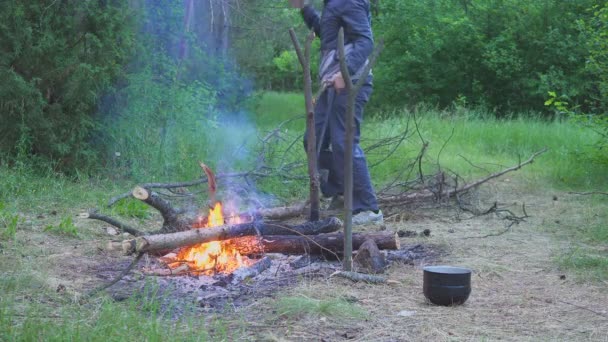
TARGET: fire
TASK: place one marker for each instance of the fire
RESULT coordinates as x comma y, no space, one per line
214,256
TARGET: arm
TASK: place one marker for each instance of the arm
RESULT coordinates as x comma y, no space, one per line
312,19
358,31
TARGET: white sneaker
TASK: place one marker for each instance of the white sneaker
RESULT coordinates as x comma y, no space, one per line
368,217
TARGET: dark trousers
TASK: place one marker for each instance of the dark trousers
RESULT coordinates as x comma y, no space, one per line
330,124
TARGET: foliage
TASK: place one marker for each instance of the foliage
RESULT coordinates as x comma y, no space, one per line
130,207
501,54
597,123
586,263
8,223
43,315
65,227
55,59
596,30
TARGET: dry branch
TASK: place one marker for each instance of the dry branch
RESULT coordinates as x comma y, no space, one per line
122,226
428,194
311,143
172,220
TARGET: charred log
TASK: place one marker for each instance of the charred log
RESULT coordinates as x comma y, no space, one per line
324,244
163,242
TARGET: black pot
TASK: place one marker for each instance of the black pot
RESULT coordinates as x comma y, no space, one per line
447,285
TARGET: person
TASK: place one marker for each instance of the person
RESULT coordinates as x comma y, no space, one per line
330,108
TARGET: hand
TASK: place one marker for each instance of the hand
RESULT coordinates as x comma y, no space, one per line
338,81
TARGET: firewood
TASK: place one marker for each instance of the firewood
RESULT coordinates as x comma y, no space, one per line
369,259
323,244
163,242
251,271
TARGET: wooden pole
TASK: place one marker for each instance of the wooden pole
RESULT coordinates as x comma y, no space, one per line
348,158
311,146
352,91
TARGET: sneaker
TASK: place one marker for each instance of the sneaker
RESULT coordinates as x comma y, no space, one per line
337,203
368,217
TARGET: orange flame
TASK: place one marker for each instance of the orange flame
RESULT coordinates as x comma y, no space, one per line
214,256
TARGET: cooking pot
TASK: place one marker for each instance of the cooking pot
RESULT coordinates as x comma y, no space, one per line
447,285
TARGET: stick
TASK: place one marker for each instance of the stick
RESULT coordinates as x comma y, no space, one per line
357,277
122,226
116,280
311,144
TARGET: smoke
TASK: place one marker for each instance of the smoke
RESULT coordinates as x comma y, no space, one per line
182,100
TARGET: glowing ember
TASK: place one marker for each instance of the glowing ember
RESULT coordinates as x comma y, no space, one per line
217,256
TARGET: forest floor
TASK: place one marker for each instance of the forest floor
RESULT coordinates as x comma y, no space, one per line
521,286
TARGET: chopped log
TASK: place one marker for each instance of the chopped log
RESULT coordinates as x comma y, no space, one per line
152,243
281,213
324,244
369,259
163,242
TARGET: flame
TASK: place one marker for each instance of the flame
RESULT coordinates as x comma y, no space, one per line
214,256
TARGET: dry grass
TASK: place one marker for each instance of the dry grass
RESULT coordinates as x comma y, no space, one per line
518,290
518,294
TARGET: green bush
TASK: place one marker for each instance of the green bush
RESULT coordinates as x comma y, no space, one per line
503,55
56,57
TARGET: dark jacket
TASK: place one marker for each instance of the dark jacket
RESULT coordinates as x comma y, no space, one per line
355,17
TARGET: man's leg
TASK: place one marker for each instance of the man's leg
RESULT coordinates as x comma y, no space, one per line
364,198
325,163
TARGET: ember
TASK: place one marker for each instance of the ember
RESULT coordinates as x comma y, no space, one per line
213,257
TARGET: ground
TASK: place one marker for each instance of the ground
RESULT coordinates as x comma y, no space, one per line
519,291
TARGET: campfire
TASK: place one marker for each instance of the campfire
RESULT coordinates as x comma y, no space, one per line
212,257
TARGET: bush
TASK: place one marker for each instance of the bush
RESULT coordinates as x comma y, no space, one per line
55,58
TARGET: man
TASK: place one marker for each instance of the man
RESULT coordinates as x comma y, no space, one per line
330,109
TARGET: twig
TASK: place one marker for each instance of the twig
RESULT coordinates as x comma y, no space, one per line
357,277
116,280
589,193
585,308
122,226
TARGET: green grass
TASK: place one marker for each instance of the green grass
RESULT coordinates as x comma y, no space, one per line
586,263
295,307
459,139
29,312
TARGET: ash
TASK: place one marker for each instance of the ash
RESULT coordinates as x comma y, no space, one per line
177,295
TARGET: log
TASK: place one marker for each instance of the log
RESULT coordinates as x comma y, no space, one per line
281,213
164,242
369,259
328,225
244,273
324,244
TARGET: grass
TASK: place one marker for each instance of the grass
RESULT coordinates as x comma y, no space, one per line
297,307
462,138
25,315
30,309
